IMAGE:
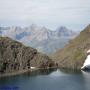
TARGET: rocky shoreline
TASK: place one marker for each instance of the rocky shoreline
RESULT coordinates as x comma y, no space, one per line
23,71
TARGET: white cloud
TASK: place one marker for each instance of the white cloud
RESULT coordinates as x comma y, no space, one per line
51,13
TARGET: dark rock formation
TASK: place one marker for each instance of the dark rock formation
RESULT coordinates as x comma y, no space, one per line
14,56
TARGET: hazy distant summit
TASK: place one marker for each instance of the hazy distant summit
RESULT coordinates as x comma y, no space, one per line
42,38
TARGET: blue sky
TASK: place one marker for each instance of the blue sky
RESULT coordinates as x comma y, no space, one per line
74,14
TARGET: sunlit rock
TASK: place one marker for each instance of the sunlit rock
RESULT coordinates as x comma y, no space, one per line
33,67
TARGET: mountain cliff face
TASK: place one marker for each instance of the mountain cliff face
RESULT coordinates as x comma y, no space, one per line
41,38
14,56
73,54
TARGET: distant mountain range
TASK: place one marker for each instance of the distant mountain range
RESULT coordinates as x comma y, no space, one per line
41,38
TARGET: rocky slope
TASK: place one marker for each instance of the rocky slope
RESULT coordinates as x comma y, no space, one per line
14,56
73,54
41,38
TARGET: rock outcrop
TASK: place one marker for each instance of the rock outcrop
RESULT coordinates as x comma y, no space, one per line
14,56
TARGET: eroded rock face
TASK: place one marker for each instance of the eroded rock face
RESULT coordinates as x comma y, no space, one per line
14,57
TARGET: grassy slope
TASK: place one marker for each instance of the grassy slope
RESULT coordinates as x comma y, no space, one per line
73,55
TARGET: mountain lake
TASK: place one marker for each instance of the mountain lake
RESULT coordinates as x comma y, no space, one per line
54,79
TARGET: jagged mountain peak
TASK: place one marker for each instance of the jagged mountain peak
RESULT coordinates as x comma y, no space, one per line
87,29
33,26
38,36
64,31
62,28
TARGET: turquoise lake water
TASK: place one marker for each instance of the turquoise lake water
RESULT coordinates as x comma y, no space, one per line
47,80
